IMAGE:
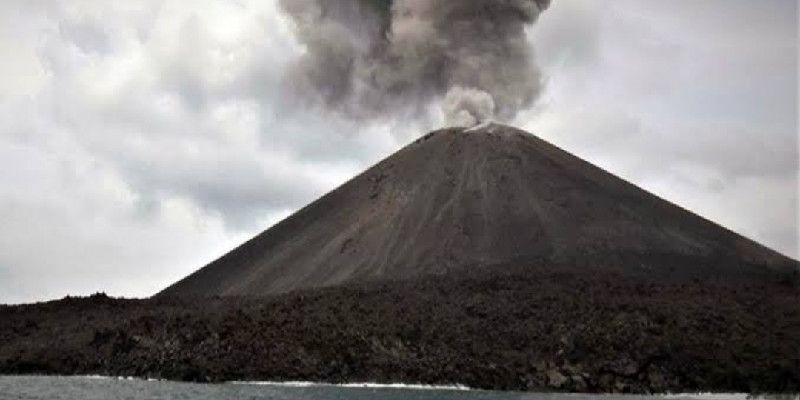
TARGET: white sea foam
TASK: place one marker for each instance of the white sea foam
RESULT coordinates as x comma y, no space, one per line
91,377
117,378
370,385
709,396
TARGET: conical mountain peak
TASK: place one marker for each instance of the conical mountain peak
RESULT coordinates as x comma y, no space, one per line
464,199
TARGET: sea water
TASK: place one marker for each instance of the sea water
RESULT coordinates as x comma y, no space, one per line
97,388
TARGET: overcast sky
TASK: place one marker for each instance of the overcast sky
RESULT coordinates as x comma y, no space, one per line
140,140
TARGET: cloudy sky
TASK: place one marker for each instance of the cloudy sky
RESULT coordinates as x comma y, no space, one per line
140,140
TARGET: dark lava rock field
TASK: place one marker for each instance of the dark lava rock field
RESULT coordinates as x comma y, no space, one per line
522,329
485,257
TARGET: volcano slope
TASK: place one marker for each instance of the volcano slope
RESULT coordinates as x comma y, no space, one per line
462,199
484,257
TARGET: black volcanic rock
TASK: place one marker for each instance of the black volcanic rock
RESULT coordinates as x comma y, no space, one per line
461,199
531,327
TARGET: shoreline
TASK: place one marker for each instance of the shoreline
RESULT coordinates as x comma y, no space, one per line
531,331
396,386
358,385
295,384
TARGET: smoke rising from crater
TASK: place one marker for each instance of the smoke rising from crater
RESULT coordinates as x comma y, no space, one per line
372,59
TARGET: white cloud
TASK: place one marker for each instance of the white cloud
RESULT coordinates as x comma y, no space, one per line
695,101
145,140
142,139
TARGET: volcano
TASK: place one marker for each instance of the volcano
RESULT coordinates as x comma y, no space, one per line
485,257
459,200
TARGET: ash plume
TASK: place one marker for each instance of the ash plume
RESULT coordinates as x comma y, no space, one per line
467,106
372,59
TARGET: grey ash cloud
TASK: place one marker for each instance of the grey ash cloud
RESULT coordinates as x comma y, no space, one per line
143,139
374,59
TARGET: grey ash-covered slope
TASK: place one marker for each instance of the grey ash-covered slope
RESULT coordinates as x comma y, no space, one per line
458,200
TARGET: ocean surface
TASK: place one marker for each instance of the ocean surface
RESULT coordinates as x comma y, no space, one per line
91,388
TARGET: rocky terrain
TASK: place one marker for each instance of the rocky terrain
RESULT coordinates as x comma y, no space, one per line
524,329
